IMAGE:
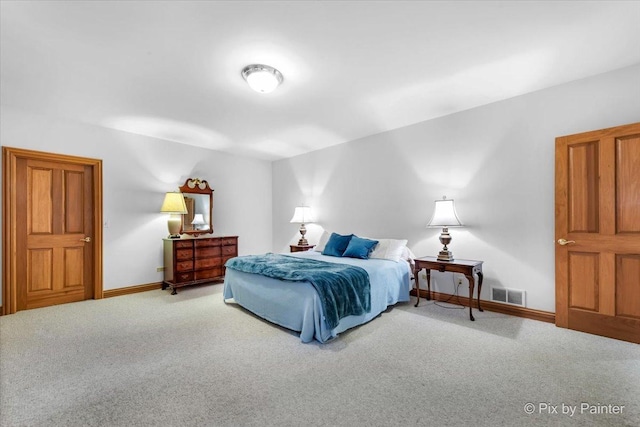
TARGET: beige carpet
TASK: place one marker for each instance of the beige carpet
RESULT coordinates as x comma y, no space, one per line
192,360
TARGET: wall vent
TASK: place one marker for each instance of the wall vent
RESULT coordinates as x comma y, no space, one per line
508,296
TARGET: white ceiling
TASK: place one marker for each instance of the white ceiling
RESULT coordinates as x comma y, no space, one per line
171,70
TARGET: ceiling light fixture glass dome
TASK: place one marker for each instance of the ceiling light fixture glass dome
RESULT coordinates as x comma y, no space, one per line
262,78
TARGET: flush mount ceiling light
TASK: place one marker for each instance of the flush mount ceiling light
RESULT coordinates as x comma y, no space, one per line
262,78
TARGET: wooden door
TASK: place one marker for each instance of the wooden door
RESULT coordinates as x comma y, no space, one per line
598,232
54,230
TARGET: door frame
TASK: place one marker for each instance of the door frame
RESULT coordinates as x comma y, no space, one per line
10,156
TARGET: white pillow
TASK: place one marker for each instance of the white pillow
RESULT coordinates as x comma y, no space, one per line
407,254
389,249
323,241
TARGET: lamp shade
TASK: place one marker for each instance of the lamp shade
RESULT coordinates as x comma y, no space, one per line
444,214
174,203
302,215
198,219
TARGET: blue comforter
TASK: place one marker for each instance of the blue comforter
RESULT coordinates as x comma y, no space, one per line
344,289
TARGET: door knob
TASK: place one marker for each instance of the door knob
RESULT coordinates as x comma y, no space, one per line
563,242
86,239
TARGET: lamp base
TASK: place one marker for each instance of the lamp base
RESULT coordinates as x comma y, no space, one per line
303,240
174,224
444,255
445,239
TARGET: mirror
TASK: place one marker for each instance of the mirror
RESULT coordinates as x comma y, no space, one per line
198,197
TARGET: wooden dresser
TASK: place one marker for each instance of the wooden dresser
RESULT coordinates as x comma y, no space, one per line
195,260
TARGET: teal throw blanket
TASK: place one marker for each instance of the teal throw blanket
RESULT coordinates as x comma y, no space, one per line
344,290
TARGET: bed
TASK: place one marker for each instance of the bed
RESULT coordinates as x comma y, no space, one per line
297,305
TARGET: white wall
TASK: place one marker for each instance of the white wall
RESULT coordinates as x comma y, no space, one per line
496,161
137,171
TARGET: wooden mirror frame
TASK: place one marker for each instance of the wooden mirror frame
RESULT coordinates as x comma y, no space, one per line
196,186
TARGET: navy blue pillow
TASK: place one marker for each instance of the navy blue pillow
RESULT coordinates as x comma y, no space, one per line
360,248
336,244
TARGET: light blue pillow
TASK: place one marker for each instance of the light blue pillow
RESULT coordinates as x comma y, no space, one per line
359,248
336,245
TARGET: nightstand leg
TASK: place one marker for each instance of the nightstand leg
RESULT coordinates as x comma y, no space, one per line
173,291
480,276
416,273
428,284
471,286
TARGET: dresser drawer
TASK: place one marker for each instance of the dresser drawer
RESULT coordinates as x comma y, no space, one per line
208,263
201,243
208,274
182,254
210,252
184,277
183,244
184,265
229,250
229,240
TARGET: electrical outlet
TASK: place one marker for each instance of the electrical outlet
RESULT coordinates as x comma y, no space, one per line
159,269
459,280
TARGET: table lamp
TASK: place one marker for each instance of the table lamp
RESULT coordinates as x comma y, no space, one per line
302,215
445,216
174,205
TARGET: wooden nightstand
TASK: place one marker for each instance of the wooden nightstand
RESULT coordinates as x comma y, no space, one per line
300,248
469,268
